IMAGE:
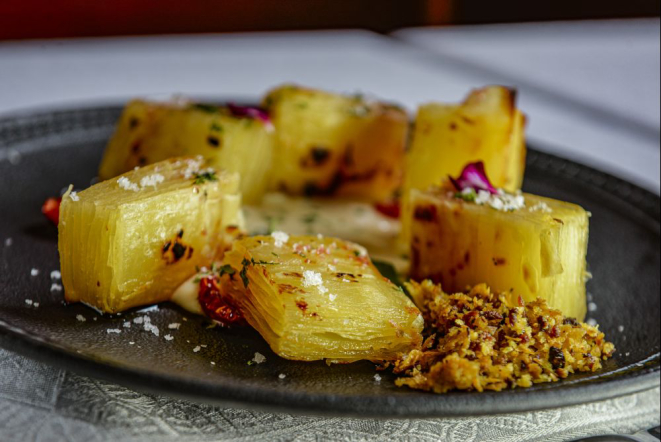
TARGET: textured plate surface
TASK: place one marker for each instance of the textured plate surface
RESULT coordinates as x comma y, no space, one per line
42,153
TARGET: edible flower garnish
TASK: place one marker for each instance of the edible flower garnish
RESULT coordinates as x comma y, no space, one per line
473,177
250,112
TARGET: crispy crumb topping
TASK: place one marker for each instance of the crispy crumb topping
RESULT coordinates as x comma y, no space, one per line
485,341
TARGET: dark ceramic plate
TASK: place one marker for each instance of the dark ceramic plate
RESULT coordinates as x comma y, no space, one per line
42,153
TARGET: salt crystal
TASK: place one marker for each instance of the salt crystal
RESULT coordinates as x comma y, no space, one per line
152,180
592,322
55,274
280,238
174,326
620,328
8,242
592,307
196,349
28,301
332,297
131,343
113,330
34,272
126,184
168,337
259,358
35,305
55,287
377,377
127,324
282,376
81,318
212,363
74,196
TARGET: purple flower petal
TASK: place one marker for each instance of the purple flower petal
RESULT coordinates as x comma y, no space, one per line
473,177
256,113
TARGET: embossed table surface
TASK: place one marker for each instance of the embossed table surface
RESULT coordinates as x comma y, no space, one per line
43,403
40,403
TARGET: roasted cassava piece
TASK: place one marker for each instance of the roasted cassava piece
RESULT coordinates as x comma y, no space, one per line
336,145
534,247
233,138
486,127
132,240
480,340
315,298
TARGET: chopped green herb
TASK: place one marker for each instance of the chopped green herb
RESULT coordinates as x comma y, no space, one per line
226,270
356,252
244,276
468,196
203,177
216,127
275,254
205,107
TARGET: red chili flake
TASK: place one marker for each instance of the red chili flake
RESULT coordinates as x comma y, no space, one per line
521,301
51,209
390,209
216,306
555,332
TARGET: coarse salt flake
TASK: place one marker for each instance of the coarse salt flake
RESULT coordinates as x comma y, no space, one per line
126,184
74,196
113,330
8,242
55,287
168,337
280,238
259,358
28,301
377,377
282,376
55,274
34,272
80,318
174,326
332,297
152,180
196,349
127,324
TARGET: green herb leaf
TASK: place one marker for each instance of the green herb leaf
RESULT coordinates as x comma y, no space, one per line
203,177
205,107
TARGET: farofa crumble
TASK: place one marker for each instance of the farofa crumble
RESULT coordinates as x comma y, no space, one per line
482,341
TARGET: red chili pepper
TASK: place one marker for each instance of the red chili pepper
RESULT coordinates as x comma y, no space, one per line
51,209
215,305
390,209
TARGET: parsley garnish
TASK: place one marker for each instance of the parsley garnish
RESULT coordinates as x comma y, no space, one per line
204,107
216,127
468,196
203,177
226,270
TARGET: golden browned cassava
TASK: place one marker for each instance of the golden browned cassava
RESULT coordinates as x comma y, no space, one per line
480,340
486,127
132,240
331,144
148,132
536,247
317,298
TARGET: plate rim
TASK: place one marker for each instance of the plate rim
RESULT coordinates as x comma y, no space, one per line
392,406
